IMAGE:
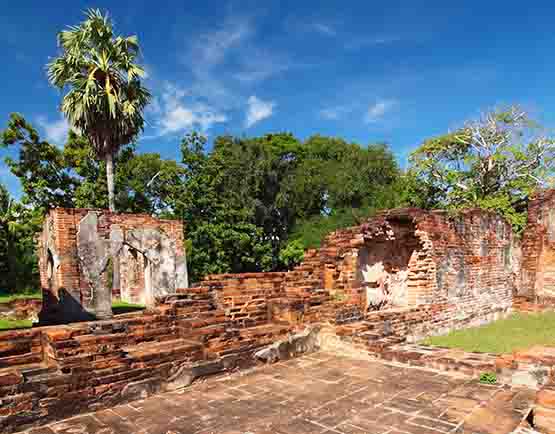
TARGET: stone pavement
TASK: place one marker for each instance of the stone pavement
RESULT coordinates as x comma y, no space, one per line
317,393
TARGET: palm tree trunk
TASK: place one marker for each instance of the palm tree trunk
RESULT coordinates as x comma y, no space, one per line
115,284
110,180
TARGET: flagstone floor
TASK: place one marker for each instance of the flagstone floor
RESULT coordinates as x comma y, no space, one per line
317,393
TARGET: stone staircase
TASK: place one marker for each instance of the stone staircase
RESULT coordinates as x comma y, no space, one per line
372,336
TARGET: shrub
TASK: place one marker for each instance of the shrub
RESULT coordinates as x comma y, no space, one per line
488,378
292,254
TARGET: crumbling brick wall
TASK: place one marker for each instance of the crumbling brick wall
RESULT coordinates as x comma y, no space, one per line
538,249
459,272
465,259
245,297
463,263
67,284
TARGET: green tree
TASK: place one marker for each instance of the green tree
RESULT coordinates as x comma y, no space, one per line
339,184
252,204
495,162
18,265
104,97
71,177
40,167
219,221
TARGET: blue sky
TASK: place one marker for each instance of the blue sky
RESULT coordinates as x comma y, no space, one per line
369,72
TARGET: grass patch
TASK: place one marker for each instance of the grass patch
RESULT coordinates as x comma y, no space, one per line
119,307
15,324
518,331
488,378
6,298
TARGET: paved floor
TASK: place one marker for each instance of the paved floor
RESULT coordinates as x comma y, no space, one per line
317,393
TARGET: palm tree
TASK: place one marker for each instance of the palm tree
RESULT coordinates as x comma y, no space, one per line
104,98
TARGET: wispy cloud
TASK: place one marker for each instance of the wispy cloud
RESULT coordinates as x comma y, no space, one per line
257,64
258,110
225,64
379,109
315,25
324,29
208,56
357,43
54,131
211,48
334,113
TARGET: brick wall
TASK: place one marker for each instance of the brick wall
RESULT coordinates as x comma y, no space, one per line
245,297
458,273
60,270
48,373
538,249
462,260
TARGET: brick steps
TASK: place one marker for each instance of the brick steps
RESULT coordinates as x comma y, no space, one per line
264,330
20,359
242,340
178,349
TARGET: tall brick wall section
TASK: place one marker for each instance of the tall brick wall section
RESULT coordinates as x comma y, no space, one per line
465,259
462,263
538,249
57,251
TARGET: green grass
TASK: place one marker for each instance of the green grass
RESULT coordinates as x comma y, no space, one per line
15,324
119,307
6,298
517,332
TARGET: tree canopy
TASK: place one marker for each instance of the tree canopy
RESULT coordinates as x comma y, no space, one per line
494,162
243,200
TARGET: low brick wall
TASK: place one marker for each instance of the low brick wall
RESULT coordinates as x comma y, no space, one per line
48,373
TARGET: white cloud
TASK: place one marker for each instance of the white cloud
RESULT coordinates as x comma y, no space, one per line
378,110
223,64
177,114
258,110
55,131
181,118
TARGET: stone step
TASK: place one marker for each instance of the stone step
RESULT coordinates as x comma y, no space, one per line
264,330
369,336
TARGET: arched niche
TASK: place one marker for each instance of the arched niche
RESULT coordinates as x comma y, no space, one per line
383,264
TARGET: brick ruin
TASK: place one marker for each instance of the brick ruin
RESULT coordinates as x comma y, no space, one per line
402,275
538,250
87,258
